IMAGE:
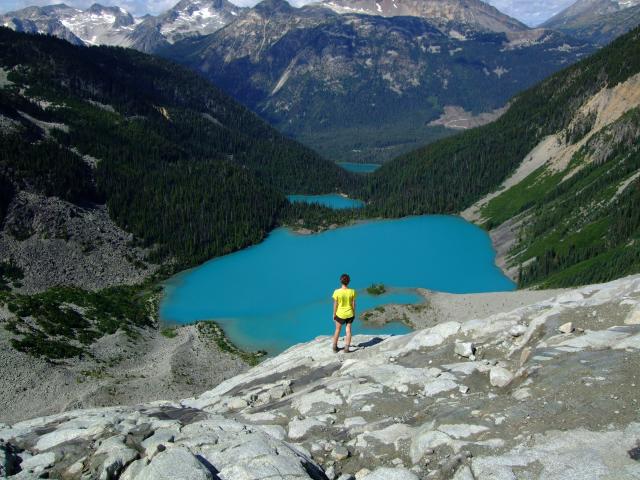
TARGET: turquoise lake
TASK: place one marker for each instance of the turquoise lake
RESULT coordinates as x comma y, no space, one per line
278,293
360,167
332,200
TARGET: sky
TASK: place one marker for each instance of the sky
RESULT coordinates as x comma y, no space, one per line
531,12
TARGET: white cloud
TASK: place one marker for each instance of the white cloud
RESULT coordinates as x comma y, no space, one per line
531,12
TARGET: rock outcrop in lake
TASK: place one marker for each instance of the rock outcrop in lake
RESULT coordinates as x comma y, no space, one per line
505,397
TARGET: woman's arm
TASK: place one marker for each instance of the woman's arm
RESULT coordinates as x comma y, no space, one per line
353,305
335,308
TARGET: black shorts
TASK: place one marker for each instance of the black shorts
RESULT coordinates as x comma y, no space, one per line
343,320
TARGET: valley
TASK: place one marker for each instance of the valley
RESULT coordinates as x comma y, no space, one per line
312,72
354,80
170,234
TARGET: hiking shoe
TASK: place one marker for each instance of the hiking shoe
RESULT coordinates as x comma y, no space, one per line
335,349
347,350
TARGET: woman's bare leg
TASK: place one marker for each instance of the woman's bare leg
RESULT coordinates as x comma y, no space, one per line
347,340
336,334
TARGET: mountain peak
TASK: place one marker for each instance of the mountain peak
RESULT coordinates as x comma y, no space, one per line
200,4
473,13
272,6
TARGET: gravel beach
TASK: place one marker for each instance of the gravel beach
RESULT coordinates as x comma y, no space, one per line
441,307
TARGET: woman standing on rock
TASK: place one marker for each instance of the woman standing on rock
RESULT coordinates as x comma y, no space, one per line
344,311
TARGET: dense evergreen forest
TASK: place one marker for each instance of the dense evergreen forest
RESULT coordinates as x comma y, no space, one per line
178,163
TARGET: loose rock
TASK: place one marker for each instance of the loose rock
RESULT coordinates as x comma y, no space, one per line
517,330
500,377
465,349
567,328
392,474
339,453
174,464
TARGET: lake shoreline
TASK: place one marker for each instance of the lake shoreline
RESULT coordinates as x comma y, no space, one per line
442,252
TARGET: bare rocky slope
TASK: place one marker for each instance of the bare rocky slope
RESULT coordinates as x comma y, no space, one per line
55,242
547,391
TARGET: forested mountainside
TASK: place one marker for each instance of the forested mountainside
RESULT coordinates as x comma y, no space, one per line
571,144
178,163
367,87
597,21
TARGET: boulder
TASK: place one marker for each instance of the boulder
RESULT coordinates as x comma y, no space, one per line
392,474
463,473
38,463
158,440
113,456
339,453
174,464
566,328
633,318
500,377
299,428
517,330
465,349
237,404
330,472
362,473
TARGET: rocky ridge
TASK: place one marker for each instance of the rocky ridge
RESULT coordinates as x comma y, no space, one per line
548,390
192,18
101,25
598,21
96,25
474,14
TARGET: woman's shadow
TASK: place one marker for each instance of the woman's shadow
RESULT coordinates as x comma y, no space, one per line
370,343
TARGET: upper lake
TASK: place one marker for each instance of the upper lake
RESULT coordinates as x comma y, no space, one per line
360,167
278,293
331,200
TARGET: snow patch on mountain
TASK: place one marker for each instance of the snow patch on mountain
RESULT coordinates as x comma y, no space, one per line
100,25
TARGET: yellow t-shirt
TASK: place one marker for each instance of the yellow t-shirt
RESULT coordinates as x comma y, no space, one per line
344,297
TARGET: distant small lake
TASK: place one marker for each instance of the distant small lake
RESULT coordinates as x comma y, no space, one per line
359,167
278,293
332,200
